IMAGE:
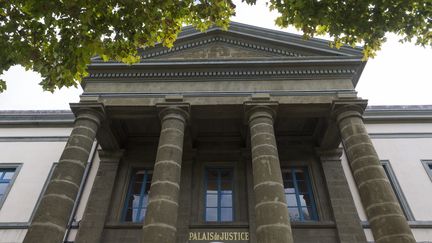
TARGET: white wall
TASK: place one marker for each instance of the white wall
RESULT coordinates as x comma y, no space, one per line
36,158
404,154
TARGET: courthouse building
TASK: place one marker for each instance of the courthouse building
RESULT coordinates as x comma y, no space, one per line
245,135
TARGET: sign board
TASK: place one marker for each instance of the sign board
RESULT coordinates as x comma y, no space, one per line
218,236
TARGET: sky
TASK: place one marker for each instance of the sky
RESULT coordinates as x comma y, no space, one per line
400,74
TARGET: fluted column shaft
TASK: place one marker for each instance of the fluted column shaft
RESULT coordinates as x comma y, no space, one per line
52,215
272,218
387,221
93,222
161,217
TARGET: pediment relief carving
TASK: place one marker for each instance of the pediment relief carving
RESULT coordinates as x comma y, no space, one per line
216,51
240,42
219,47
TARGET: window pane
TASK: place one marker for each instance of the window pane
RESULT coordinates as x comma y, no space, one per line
137,187
135,215
226,200
226,214
142,215
145,200
226,186
304,200
298,191
225,175
212,200
212,186
212,174
291,199
287,174
307,213
148,182
299,175
211,214
3,187
302,186
8,175
294,214
136,203
135,199
289,187
219,198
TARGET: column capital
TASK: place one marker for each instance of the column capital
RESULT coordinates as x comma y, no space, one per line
110,156
94,111
329,154
344,108
168,110
255,109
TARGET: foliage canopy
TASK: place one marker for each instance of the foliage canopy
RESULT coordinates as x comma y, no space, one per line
57,38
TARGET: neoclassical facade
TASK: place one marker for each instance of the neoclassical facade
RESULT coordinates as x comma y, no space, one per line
245,135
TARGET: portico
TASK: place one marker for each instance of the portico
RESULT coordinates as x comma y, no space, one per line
228,133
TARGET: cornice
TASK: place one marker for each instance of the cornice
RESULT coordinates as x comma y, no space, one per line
287,56
36,118
183,45
225,40
274,42
272,69
276,36
383,114
170,74
66,117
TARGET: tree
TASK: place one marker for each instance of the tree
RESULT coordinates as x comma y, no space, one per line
57,38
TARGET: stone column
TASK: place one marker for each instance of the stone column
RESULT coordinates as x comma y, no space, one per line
52,215
160,223
93,221
272,218
387,221
345,214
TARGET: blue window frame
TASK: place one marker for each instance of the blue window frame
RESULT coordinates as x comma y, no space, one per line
6,177
219,195
298,194
428,167
397,190
137,197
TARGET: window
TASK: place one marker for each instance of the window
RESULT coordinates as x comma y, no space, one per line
298,194
397,190
218,195
428,167
137,198
7,175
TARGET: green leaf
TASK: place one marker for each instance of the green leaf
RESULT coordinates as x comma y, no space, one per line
2,85
58,38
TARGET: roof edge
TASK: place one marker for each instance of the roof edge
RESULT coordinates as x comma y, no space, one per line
66,117
398,113
36,118
275,35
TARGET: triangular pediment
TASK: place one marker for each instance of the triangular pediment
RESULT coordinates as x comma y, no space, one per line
224,45
218,47
218,50
242,52
242,42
